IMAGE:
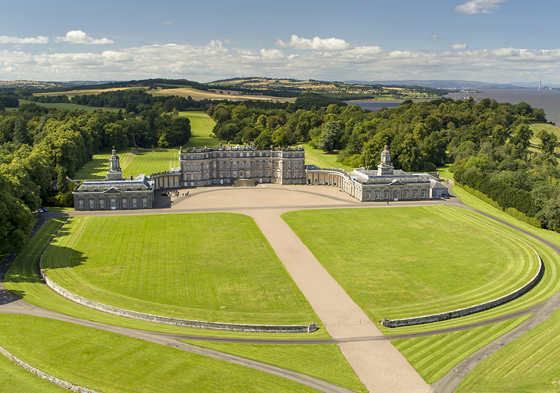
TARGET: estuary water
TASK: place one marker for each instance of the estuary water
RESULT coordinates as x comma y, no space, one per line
549,100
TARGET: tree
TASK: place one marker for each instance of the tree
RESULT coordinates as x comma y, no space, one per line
264,140
330,136
549,142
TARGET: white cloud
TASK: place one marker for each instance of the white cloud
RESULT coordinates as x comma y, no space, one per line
18,41
79,37
314,44
216,61
456,46
472,7
435,37
272,54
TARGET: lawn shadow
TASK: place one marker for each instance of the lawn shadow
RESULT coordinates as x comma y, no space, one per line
69,257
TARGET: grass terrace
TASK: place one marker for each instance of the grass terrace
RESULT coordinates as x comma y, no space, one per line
412,261
433,356
110,362
23,280
210,267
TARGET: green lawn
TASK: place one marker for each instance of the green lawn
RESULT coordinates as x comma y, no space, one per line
113,363
444,172
201,129
135,161
215,267
433,356
322,159
404,262
149,161
528,364
22,279
318,361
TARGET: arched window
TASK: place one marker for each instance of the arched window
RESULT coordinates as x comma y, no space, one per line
102,203
405,194
134,203
386,194
124,203
91,204
113,203
395,194
377,195
414,194
423,194
81,204
144,203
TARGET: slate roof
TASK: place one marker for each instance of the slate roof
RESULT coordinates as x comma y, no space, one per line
141,183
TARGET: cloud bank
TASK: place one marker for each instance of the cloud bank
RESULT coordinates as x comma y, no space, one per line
19,41
299,58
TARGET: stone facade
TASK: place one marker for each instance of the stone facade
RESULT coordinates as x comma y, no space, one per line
114,192
223,165
383,184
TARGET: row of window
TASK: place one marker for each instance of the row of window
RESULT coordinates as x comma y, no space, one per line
199,156
405,195
113,203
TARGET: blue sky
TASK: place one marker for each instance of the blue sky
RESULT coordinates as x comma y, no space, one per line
486,40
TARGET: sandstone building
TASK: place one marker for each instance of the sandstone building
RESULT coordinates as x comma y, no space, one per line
383,184
114,192
224,165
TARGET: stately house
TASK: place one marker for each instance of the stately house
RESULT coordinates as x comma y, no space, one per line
383,184
224,165
114,192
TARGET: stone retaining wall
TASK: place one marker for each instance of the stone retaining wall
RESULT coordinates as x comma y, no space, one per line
45,376
468,310
168,320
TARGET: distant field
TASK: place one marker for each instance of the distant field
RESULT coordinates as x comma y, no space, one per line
110,362
404,262
216,267
210,95
73,93
69,107
201,128
135,161
322,159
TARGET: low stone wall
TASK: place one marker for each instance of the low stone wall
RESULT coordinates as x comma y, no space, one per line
168,320
45,376
392,323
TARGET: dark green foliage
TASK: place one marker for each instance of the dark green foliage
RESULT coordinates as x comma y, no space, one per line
308,100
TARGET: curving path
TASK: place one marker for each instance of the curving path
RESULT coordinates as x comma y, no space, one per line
376,362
